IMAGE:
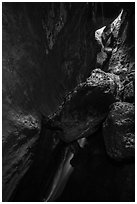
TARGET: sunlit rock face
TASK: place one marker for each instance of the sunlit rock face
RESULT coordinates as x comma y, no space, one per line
122,59
117,46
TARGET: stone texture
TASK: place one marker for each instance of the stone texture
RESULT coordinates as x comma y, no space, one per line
18,144
47,50
117,42
122,61
105,38
119,131
86,107
117,52
129,93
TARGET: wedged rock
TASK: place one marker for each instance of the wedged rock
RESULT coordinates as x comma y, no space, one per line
86,107
129,93
98,73
119,131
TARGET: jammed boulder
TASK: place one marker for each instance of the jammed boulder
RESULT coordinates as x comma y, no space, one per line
119,132
87,106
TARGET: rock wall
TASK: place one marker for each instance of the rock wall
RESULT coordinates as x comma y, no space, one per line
48,50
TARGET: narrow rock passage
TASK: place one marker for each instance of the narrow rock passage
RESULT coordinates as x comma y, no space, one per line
68,102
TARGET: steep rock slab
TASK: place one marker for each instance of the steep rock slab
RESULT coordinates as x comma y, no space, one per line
119,131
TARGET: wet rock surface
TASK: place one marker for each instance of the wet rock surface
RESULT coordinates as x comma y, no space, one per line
119,131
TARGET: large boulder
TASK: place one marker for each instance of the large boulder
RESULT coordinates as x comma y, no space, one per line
87,106
119,131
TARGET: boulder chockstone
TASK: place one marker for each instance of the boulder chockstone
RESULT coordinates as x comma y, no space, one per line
87,106
119,131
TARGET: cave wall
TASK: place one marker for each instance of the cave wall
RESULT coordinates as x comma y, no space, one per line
47,49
